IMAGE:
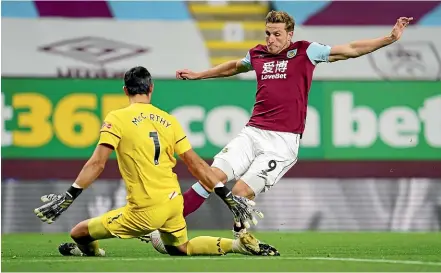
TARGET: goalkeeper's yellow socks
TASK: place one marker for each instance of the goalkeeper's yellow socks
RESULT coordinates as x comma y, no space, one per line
206,245
246,244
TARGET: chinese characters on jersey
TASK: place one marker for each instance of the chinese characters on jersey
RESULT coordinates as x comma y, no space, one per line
274,70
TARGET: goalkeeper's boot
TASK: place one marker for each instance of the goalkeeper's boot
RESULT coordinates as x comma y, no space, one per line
146,238
236,234
249,245
269,248
71,249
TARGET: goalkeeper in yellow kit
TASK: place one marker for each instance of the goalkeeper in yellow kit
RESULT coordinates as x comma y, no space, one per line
145,139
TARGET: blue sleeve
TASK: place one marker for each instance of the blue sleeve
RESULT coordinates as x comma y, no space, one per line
318,53
247,61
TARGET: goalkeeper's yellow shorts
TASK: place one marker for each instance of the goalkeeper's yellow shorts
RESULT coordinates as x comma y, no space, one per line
124,223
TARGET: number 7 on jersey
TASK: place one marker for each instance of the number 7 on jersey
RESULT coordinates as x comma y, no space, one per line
155,137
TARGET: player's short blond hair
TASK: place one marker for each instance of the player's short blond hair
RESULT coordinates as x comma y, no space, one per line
281,17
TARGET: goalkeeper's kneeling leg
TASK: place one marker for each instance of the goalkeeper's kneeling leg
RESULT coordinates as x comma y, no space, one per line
246,244
86,234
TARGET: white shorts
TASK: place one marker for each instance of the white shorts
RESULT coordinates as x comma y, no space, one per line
258,157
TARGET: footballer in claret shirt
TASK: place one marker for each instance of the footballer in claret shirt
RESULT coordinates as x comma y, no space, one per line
267,147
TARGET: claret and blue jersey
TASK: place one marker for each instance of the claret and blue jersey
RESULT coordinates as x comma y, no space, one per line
283,83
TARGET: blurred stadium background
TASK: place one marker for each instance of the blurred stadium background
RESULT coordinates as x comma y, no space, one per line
371,155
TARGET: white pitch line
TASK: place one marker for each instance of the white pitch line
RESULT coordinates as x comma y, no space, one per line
373,261
91,259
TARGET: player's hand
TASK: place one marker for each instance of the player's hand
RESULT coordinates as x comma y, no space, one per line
55,205
399,27
241,207
186,74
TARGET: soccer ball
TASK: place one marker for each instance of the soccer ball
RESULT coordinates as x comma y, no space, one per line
156,241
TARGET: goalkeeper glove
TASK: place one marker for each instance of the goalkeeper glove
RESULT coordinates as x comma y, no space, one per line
56,204
241,207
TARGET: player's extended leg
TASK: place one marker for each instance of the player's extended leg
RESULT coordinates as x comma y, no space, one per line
86,235
246,244
277,153
174,237
121,223
265,171
229,164
198,193
242,189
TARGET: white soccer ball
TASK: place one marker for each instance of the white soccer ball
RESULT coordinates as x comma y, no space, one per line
157,243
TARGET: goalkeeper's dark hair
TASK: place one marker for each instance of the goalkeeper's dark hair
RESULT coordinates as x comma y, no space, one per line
138,81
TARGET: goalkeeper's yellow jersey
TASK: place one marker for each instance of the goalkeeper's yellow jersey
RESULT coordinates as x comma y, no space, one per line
145,139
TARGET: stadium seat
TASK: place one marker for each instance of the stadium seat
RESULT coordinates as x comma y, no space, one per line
230,28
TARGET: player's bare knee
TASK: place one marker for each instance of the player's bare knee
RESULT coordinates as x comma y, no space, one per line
242,189
81,230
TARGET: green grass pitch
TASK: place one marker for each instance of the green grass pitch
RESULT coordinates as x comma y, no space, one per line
306,251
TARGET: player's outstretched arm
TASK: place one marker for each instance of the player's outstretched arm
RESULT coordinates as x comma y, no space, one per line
362,47
199,168
58,203
240,207
226,69
94,166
